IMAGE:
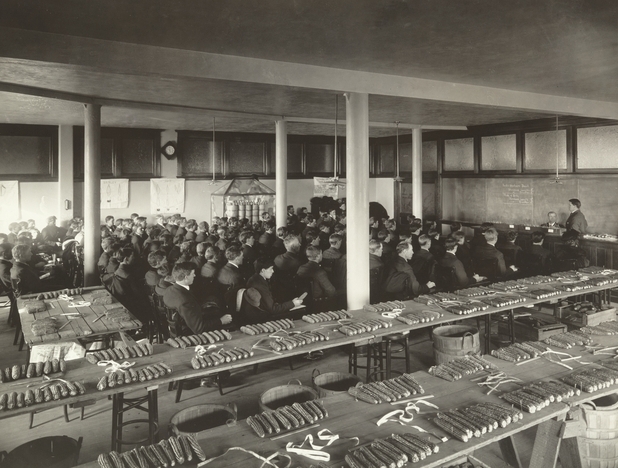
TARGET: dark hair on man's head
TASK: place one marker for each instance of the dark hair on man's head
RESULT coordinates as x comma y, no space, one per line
450,243
538,236
20,252
182,270
458,235
511,236
575,202
403,247
424,240
416,224
334,239
233,252
263,263
313,252
156,259
5,251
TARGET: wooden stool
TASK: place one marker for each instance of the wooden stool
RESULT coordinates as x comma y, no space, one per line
400,339
120,404
374,351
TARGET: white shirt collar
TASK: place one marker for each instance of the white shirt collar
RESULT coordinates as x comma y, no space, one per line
183,286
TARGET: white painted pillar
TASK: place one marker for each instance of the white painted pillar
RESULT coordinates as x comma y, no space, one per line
65,175
92,193
417,172
281,172
357,204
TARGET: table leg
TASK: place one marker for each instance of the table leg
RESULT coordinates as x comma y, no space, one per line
546,444
487,333
512,325
569,453
509,452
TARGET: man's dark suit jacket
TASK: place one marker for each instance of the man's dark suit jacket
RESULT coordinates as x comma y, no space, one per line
194,319
463,254
288,262
460,277
422,263
322,287
27,278
230,276
209,270
267,303
487,252
542,254
577,222
399,265
5,275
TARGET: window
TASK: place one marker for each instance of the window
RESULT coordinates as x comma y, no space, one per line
28,152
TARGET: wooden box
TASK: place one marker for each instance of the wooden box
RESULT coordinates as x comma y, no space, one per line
534,327
581,320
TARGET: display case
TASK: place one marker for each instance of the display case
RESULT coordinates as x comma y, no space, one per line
243,198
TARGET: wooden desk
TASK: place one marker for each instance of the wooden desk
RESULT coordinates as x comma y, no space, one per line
85,327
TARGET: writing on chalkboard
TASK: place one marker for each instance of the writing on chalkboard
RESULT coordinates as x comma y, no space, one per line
514,193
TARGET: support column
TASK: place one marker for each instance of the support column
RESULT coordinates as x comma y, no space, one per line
92,193
65,174
281,172
357,203
417,172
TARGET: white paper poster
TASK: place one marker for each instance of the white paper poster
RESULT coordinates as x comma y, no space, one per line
167,195
114,193
325,187
9,203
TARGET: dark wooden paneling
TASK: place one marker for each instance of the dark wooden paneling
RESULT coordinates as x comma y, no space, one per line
28,152
245,158
125,153
319,158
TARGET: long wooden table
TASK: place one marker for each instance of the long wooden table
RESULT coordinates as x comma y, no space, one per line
349,418
179,360
90,323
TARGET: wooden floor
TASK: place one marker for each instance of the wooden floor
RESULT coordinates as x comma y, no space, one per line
243,388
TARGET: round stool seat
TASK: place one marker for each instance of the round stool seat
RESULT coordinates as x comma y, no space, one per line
394,336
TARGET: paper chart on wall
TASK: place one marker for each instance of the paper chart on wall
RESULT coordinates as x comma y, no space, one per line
114,193
325,187
167,195
9,203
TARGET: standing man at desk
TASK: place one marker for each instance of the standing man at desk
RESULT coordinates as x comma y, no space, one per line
552,221
577,220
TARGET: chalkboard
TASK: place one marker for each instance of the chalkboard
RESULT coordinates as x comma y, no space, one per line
509,199
527,200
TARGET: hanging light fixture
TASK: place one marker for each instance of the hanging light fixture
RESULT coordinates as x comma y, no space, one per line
335,178
398,178
557,179
214,180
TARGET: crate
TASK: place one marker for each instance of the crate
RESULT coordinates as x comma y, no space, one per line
575,320
466,461
535,327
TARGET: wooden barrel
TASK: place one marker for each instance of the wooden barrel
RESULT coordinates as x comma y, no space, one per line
283,395
454,341
199,418
333,383
599,447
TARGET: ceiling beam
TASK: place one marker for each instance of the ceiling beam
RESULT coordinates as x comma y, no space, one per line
122,58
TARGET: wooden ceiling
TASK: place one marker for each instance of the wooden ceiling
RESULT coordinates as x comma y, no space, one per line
176,63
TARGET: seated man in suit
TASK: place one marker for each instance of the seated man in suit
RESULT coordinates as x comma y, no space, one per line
230,276
460,278
210,268
479,239
333,253
483,254
192,317
423,261
25,278
322,287
278,247
463,252
249,252
552,221
290,260
264,269
510,249
536,256
416,229
399,279
156,260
